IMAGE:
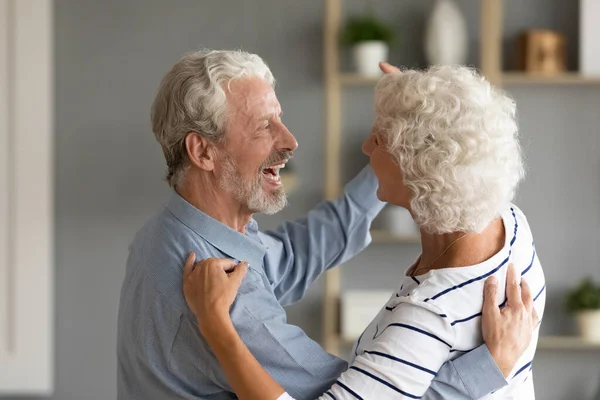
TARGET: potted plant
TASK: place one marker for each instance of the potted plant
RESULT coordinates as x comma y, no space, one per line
369,39
584,301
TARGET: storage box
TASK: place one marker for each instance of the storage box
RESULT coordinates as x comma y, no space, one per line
541,52
589,37
358,309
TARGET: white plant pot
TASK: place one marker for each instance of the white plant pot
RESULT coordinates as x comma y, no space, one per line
446,37
367,56
398,221
588,323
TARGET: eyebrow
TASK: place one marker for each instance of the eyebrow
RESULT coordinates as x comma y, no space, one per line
269,116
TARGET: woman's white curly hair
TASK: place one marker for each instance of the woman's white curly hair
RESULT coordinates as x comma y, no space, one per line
455,139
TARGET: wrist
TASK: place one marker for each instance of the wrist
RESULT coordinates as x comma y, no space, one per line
214,325
503,359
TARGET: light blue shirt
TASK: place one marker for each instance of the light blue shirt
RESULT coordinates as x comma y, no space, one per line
161,354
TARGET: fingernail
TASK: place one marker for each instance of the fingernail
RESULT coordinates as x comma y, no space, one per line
493,280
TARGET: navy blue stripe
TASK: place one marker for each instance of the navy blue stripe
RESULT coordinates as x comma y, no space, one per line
538,295
377,353
461,351
524,367
331,395
349,390
443,315
486,274
358,343
412,328
469,281
416,280
530,264
516,226
412,396
458,321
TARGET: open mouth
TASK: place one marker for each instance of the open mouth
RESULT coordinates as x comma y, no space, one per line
271,174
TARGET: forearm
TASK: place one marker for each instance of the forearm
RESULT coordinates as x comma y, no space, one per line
330,234
248,378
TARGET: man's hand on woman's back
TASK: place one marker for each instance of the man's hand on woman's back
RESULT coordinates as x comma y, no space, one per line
507,331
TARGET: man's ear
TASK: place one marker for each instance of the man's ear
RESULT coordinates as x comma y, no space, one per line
200,151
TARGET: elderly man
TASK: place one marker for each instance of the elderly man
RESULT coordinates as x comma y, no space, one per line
218,121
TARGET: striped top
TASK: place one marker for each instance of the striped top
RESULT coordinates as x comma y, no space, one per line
436,317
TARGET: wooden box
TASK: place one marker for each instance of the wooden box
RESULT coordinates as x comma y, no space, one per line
541,52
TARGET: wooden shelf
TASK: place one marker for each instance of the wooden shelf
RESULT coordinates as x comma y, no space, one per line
566,343
568,78
358,80
507,78
569,343
382,236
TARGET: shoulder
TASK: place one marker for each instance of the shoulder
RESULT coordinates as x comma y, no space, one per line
157,255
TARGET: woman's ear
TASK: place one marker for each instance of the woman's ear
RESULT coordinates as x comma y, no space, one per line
200,151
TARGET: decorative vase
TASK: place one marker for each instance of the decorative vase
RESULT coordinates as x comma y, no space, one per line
446,37
367,56
398,222
588,323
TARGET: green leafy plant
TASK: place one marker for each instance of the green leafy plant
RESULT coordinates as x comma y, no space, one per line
366,28
584,297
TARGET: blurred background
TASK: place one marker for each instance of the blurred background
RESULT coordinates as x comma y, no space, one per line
109,57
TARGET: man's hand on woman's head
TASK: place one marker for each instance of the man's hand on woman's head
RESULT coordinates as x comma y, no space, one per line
210,287
507,331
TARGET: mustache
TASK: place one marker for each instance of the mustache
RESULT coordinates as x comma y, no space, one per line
277,157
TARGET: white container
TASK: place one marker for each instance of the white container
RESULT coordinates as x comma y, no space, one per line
446,37
367,56
588,323
589,33
398,221
358,309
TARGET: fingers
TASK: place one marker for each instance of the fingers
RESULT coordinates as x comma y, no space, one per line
224,264
188,267
526,296
388,68
513,288
535,318
490,293
238,274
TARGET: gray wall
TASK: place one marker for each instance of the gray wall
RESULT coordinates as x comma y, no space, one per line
110,57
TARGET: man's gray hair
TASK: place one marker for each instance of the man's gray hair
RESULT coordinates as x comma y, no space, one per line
192,98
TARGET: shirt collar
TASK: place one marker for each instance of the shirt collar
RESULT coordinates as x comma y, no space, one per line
227,240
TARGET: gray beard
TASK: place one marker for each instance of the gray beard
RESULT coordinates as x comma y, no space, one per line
250,192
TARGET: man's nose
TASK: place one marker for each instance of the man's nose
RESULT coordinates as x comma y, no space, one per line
287,141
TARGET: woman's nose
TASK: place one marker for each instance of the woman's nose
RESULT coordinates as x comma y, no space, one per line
367,146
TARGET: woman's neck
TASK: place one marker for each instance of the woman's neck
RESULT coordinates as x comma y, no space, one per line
459,248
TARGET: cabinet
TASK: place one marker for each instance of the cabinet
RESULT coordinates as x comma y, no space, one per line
490,43
26,197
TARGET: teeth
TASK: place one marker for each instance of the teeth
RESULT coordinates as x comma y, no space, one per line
278,166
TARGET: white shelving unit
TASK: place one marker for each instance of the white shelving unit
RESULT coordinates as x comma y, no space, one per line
491,18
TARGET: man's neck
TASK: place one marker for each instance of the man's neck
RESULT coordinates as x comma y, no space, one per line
211,199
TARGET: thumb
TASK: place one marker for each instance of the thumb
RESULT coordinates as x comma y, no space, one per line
490,292
239,273
188,267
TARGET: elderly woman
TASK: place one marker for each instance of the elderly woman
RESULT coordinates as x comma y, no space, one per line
444,146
